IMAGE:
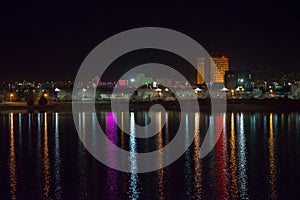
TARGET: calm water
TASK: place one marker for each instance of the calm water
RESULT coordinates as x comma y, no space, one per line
257,156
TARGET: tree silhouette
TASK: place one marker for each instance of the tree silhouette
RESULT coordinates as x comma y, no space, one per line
43,101
30,102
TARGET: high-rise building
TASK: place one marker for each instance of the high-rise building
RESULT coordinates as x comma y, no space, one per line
200,70
217,66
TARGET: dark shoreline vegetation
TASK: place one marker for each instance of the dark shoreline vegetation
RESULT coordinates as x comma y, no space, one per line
233,105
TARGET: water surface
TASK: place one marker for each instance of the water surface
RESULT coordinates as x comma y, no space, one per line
257,156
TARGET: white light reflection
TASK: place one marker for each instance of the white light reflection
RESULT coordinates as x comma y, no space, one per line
188,162
57,159
133,188
29,135
196,159
20,132
83,158
242,158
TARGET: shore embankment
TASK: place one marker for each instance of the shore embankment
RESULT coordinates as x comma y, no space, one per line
232,105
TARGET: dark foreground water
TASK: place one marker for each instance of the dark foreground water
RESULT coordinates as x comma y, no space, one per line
257,157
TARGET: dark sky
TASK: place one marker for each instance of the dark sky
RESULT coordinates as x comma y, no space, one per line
49,41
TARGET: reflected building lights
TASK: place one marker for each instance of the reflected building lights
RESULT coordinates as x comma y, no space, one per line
221,157
29,134
20,131
94,132
39,152
124,179
188,162
83,158
57,160
242,159
20,151
111,132
146,122
231,171
167,128
272,160
196,159
133,187
161,171
39,133
46,171
12,160
233,162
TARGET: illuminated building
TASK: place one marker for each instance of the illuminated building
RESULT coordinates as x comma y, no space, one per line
215,68
219,65
200,70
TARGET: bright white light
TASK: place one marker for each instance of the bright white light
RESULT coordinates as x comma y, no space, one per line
57,90
154,84
198,90
132,80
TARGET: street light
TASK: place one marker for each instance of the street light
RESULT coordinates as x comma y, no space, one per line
11,97
232,92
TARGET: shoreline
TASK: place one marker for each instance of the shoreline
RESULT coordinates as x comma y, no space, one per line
233,105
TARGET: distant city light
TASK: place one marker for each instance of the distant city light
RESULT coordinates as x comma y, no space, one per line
198,90
154,84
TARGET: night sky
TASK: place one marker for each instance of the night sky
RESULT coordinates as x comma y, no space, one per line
48,41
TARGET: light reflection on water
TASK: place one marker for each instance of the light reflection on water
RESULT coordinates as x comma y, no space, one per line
233,161
57,159
242,158
134,180
272,175
196,160
44,163
46,170
12,160
83,166
221,157
111,155
161,172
